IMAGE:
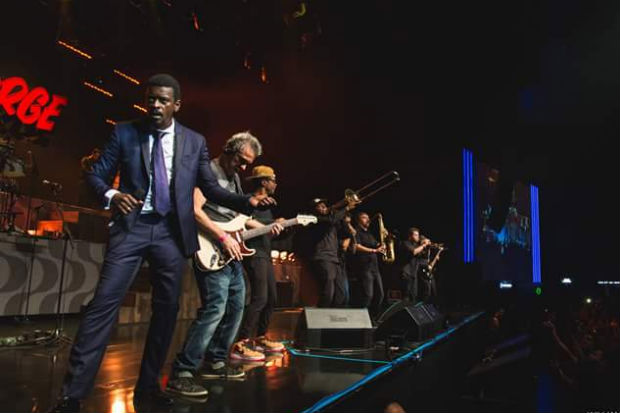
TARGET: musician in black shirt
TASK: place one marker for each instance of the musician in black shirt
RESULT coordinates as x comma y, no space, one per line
324,252
367,265
259,269
429,285
346,244
414,252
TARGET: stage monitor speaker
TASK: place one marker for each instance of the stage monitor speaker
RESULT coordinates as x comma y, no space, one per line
411,322
436,316
334,328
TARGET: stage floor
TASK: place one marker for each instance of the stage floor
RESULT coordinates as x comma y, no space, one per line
295,381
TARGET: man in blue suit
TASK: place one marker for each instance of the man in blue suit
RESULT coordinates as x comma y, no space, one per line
160,163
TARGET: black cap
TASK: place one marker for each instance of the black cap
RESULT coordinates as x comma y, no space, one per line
317,201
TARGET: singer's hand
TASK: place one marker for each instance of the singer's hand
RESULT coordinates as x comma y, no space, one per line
125,202
262,201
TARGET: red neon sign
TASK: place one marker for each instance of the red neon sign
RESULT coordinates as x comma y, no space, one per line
32,106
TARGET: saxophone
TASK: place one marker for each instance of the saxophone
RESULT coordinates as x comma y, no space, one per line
387,239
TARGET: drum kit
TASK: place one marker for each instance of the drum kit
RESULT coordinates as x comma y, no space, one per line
12,167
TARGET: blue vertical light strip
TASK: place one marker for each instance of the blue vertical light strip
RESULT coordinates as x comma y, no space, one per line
464,205
471,207
468,206
534,208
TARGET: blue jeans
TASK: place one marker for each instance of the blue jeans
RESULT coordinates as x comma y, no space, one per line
213,332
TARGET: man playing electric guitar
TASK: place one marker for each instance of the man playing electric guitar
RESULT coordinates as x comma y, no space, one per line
222,292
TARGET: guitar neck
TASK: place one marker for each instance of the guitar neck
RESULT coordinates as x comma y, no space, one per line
257,232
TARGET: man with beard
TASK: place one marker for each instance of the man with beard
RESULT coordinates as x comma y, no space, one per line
367,265
259,269
222,292
414,252
324,257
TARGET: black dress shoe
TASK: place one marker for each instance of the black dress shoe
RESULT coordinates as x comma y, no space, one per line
154,397
66,405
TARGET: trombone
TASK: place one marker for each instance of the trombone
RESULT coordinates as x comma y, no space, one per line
359,195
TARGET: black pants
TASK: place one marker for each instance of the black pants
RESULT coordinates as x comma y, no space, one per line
429,289
332,287
411,287
342,286
263,297
372,289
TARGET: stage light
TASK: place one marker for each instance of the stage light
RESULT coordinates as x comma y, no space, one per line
263,75
126,77
608,282
196,22
588,300
246,61
74,50
504,285
118,403
538,291
110,121
140,108
275,254
566,281
283,255
534,208
98,89
468,206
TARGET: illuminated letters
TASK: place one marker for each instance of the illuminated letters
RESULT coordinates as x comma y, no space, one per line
30,105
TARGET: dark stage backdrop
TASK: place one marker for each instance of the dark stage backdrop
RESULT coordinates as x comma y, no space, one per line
324,126
351,91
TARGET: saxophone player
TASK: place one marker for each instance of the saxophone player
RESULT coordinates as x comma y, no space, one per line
367,265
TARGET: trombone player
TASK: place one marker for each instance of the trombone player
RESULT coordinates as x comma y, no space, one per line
324,240
325,261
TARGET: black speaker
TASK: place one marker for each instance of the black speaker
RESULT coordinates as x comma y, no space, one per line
334,328
410,322
436,317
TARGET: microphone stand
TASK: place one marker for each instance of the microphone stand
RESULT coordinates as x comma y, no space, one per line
34,238
58,335
33,171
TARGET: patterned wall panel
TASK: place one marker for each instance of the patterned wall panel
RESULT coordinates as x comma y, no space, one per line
30,271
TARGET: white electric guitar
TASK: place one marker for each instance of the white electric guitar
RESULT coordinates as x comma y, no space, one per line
211,256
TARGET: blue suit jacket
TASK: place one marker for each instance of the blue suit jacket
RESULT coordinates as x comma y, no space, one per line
128,149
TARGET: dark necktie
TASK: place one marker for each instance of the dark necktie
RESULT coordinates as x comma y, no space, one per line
161,191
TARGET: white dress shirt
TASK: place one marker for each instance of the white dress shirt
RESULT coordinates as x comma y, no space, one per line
167,144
